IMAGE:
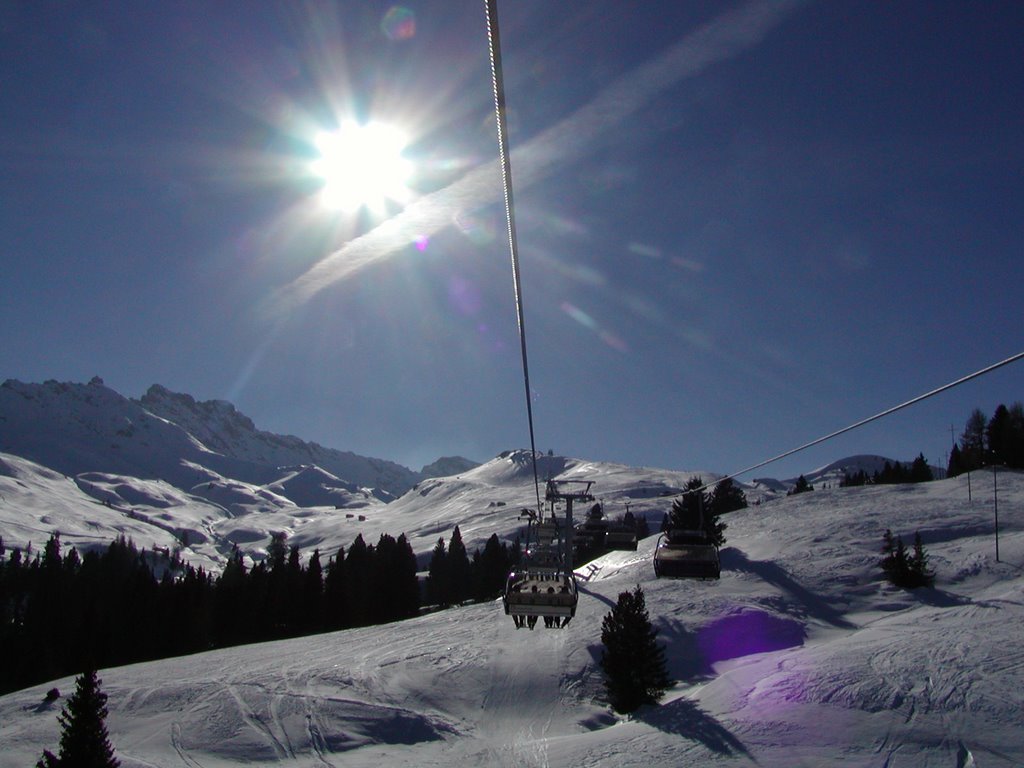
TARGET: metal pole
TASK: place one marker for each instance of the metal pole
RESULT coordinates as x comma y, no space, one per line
568,536
995,504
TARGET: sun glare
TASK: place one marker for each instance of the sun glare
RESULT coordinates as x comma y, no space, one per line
362,166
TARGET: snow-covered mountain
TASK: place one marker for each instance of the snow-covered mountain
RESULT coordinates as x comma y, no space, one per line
170,471
221,428
313,508
173,472
76,428
832,473
801,655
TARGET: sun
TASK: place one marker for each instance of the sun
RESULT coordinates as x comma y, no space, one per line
362,166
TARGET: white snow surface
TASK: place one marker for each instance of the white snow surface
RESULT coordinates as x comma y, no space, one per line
801,655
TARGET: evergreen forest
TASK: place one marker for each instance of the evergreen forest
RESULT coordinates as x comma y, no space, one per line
62,612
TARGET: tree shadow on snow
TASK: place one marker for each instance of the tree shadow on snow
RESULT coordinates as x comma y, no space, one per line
606,600
683,717
938,598
818,608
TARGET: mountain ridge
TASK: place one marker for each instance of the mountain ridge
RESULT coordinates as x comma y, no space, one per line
199,476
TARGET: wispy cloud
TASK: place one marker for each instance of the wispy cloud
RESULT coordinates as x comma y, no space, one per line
720,39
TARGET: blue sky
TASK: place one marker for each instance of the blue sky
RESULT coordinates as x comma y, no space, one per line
741,226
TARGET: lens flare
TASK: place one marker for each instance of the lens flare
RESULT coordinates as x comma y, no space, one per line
399,23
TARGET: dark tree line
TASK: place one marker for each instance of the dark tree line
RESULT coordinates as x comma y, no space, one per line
61,613
999,440
891,474
454,577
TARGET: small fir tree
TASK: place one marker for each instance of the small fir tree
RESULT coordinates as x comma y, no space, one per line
727,497
438,589
633,663
801,486
921,574
687,512
956,465
902,569
458,569
694,511
920,472
84,742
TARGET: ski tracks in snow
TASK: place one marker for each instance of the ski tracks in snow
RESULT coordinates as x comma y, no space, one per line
522,697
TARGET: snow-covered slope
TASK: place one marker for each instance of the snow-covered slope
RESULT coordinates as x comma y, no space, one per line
799,656
312,507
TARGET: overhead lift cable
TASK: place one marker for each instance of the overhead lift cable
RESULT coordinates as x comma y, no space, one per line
498,82
869,419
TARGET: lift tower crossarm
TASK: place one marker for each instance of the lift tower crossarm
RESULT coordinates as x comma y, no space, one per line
555,493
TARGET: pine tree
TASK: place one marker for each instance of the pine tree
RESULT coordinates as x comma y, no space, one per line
633,663
694,511
458,568
336,612
801,486
408,590
358,565
687,511
311,613
84,742
920,472
901,569
727,497
921,575
438,589
894,560
972,441
490,569
956,464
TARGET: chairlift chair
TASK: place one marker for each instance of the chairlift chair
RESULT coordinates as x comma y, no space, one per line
544,585
686,554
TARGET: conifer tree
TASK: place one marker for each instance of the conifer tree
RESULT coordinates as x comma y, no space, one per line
311,614
335,593
920,472
894,558
633,663
726,497
458,568
688,510
408,584
956,464
921,574
972,441
84,742
903,570
801,486
693,511
357,581
438,590
490,569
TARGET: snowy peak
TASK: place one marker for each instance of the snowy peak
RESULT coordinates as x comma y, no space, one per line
224,429
447,466
75,428
215,422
